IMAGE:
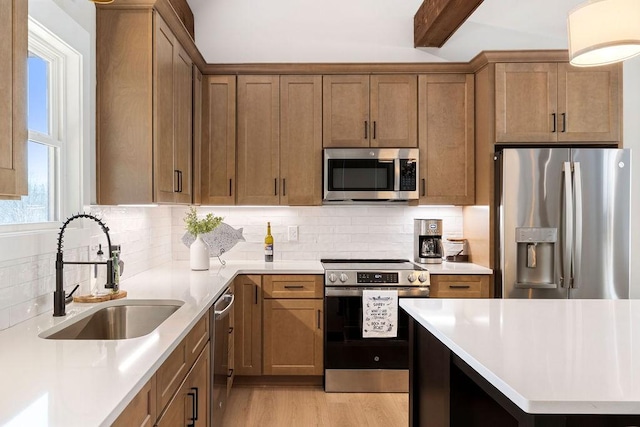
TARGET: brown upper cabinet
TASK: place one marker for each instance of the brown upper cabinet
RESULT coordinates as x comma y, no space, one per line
279,140
144,97
555,102
446,135
13,99
218,154
370,111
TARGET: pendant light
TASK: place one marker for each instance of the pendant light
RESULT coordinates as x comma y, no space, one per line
603,32
102,1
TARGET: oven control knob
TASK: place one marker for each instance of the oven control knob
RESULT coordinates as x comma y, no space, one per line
343,277
412,277
422,277
333,277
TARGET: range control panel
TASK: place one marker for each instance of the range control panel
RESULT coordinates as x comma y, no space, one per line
376,277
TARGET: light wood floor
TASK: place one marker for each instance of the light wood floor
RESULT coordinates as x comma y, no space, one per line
311,406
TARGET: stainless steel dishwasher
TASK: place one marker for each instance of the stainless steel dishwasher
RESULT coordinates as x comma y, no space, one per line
220,355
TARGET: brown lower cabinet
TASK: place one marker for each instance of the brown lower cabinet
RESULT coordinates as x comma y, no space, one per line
460,286
178,393
279,322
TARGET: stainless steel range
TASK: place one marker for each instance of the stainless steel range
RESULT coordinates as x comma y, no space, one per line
353,363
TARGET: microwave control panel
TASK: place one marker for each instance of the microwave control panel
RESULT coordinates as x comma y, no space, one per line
408,175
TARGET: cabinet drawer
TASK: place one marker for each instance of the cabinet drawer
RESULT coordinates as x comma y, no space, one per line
197,339
459,286
293,286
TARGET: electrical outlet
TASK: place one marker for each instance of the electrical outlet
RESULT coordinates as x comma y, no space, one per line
293,233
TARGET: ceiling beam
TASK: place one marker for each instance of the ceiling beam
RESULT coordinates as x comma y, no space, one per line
437,20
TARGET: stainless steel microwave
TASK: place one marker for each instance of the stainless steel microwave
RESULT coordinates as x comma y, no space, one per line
370,174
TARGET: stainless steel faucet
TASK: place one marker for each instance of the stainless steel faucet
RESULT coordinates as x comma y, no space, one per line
60,299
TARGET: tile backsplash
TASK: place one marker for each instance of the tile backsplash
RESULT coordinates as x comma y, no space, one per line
323,231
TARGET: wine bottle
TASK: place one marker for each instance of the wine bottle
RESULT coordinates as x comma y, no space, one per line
268,244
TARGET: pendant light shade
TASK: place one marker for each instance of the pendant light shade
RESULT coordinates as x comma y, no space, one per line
603,32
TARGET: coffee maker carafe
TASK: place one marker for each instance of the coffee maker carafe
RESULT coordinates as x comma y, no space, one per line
427,241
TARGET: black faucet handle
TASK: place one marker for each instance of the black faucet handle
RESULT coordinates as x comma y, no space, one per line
69,298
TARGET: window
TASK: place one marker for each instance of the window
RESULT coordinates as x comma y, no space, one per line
54,123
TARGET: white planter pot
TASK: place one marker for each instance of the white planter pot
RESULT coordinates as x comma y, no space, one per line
199,255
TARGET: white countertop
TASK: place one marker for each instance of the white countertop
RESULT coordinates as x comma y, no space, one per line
456,268
547,356
88,383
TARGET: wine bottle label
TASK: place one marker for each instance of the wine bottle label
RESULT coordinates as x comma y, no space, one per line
268,249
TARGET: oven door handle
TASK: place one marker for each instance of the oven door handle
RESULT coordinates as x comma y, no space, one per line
422,292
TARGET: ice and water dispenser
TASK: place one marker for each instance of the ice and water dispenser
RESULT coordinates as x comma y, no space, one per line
536,257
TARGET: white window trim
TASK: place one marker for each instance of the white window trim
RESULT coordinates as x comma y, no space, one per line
22,240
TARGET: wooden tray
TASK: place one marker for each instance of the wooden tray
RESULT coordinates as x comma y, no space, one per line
100,298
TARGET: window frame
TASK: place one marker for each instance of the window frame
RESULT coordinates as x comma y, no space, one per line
66,121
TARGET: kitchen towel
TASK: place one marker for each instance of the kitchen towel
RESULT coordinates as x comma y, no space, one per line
379,314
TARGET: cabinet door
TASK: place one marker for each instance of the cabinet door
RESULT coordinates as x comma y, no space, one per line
258,140
165,172
141,411
183,115
293,337
345,105
526,100
125,106
219,140
248,325
394,111
198,381
460,286
13,98
301,140
447,174
189,405
589,103
197,135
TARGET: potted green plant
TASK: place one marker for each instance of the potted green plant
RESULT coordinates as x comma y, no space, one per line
199,251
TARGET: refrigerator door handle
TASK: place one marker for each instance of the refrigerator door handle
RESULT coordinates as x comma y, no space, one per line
565,278
577,246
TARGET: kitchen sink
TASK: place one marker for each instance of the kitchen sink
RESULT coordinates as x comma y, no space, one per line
115,320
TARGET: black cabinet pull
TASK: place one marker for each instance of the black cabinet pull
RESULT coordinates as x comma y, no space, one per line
230,186
319,318
180,181
176,181
195,417
284,186
459,286
230,374
255,298
194,408
553,115
423,187
374,129
230,329
365,129
293,286
275,186
564,122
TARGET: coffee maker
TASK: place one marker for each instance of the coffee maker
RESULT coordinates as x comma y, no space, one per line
427,241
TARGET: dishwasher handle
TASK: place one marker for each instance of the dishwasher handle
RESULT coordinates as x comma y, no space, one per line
219,314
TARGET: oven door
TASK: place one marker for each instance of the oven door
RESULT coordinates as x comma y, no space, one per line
356,364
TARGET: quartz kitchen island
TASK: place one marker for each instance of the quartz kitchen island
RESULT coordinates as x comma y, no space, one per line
524,362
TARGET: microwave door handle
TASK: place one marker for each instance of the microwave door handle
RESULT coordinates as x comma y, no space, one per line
396,175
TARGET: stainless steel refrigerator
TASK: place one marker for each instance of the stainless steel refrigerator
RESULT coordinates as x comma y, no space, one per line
563,221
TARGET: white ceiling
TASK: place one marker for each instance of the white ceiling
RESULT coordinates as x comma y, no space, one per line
240,31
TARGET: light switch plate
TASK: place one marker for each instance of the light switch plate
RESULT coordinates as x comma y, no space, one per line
293,233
